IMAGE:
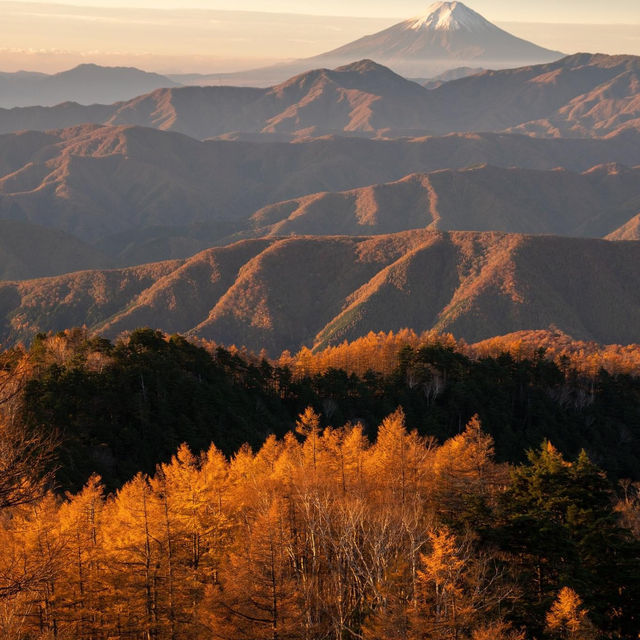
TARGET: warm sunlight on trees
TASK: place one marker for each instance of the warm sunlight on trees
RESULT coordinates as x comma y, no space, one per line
458,587
568,619
323,534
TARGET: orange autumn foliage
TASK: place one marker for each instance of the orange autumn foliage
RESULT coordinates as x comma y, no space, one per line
312,536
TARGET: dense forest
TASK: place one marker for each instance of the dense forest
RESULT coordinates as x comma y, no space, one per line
398,488
123,408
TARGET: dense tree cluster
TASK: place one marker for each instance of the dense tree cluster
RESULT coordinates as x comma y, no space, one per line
380,352
288,527
122,408
325,534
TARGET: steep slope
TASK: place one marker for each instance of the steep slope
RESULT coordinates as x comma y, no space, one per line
362,96
628,231
560,202
142,195
283,293
76,299
186,293
85,84
582,95
612,106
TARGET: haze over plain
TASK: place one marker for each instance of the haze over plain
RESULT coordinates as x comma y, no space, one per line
171,37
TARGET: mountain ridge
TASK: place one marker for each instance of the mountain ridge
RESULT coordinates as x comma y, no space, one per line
596,203
84,84
583,95
141,195
284,293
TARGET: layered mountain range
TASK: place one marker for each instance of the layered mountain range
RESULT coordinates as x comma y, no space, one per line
578,96
122,196
604,201
284,293
447,37
335,203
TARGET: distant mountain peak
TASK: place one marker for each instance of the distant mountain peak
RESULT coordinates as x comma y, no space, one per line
364,66
85,84
449,16
448,36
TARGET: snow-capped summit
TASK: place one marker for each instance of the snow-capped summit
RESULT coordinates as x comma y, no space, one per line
449,16
449,35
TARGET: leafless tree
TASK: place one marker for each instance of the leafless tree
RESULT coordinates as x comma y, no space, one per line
26,465
27,470
26,455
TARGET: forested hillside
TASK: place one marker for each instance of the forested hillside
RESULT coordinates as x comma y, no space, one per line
328,533
285,293
355,356
121,408
141,195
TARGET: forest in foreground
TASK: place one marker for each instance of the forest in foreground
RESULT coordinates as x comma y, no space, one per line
401,487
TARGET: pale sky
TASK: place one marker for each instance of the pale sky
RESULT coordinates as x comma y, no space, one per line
582,11
205,36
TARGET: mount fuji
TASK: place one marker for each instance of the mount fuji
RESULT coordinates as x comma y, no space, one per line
448,36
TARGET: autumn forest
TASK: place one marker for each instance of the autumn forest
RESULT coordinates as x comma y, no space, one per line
400,487
319,320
